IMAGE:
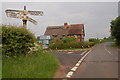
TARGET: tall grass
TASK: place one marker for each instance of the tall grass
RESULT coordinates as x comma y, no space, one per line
39,65
0,65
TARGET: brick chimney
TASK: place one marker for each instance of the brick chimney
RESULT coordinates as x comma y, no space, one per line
65,25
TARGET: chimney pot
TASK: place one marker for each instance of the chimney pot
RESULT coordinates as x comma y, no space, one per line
65,24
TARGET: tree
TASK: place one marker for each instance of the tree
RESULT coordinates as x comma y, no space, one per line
115,29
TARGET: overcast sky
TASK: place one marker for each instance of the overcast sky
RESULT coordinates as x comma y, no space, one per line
96,16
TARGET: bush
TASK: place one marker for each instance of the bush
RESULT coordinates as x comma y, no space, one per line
71,45
68,42
115,30
94,40
16,40
68,39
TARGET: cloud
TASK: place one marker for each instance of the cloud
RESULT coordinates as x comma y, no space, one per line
95,15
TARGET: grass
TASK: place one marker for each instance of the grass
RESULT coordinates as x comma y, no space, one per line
39,65
115,45
0,66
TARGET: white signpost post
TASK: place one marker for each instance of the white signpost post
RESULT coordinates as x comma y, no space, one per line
21,14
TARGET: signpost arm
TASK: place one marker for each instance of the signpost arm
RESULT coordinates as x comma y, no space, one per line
22,15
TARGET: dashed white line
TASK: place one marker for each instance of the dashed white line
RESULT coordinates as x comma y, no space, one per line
79,61
69,74
77,64
74,68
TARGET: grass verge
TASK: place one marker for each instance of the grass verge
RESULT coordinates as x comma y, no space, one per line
115,45
0,66
39,65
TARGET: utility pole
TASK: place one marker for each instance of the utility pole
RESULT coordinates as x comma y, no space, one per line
22,14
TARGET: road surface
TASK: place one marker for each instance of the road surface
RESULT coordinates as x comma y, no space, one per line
67,60
101,62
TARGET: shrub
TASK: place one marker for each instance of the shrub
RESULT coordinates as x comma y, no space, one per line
94,40
16,40
71,45
68,39
69,42
115,30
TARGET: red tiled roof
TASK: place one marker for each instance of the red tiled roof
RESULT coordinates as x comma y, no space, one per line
76,29
62,30
56,30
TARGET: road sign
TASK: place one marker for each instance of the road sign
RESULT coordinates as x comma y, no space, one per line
22,15
13,11
32,20
47,37
37,13
45,42
44,46
13,15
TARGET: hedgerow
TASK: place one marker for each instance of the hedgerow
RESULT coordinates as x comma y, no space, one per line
67,43
16,40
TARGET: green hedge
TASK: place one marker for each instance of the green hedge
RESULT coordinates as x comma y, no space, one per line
96,41
71,45
16,40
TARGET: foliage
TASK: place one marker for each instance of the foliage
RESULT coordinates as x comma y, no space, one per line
94,40
68,39
16,40
68,42
39,65
35,48
56,40
115,29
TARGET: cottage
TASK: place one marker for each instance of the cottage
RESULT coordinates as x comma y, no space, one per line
73,30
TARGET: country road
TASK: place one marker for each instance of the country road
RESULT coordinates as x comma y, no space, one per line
101,62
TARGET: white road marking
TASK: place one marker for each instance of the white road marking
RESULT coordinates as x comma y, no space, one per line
74,68
70,52
69,74
77,64
83,52
107,50
79,61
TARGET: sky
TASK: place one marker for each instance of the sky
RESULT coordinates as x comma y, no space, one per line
119,8
96,16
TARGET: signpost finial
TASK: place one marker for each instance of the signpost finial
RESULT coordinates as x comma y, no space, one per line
24,7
